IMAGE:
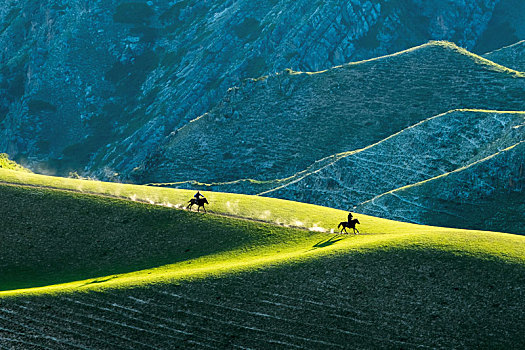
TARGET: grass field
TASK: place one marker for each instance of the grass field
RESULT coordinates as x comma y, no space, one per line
89,271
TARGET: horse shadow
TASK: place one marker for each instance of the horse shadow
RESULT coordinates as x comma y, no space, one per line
327,242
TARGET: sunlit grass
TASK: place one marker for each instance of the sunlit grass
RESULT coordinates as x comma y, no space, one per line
6,163
228,245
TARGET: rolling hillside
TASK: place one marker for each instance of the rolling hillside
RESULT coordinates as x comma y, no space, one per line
281,124
433,147
6,163
512,56
96,86
489,193
145,276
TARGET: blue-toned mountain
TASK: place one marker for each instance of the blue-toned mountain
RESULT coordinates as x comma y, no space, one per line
97,86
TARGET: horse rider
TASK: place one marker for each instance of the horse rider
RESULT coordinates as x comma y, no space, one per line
197,196
350,217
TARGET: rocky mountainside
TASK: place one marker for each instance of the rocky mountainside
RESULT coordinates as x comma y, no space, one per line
488,194
275,126
98,85
512,56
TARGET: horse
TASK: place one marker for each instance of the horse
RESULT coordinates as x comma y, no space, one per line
349,224
200,203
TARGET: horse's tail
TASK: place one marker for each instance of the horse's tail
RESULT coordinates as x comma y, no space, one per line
340,224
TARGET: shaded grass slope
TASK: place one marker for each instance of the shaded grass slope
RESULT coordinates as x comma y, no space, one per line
512,56
489,193
242,283
281,124
399,296
433,147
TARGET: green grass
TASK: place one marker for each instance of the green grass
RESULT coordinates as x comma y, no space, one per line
98,271
8,164
68,240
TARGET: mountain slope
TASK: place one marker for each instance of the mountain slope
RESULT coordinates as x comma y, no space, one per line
489,193
97,86
276,126
433,147
6,163
512,56
250,285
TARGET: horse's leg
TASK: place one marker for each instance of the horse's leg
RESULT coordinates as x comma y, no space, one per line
204,208
356,230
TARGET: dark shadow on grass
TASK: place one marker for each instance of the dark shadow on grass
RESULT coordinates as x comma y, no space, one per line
328,242
66,237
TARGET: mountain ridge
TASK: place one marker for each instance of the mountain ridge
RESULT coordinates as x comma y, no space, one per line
132,72
271,100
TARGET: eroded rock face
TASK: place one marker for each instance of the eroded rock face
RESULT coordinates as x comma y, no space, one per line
98,85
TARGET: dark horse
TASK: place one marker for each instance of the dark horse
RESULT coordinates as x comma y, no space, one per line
200,203
349,224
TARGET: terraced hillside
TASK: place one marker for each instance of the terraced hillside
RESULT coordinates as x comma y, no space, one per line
512,56
281,124
489,193
242,283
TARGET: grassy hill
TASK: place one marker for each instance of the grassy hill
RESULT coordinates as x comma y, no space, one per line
433,147
6,163
512,56
281,124
489,193
138,275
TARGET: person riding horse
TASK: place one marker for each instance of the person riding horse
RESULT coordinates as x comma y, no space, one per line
349,224
198,199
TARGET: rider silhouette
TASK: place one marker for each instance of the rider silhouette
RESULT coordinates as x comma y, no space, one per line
198,195
350,216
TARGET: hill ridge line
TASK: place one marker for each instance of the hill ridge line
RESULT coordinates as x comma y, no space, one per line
443,175
504,47
336,157
432,43
341,155
150,202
